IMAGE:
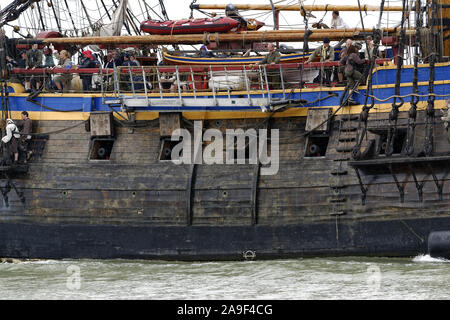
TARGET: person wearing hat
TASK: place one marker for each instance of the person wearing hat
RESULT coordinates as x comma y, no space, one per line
12,138
87,62
326,53
125,79
204,53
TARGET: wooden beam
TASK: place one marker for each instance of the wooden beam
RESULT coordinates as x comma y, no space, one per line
296,7
251,36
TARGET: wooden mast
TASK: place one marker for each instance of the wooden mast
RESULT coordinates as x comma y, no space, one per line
249,36
296,7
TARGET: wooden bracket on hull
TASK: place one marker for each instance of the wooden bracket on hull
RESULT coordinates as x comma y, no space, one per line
401,165
400,188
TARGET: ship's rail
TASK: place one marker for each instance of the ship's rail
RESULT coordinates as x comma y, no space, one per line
138,86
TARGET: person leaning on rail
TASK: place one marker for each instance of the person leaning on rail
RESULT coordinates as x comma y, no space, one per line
63,81
326,53
273,57
34,60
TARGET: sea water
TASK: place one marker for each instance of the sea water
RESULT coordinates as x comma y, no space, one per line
421,277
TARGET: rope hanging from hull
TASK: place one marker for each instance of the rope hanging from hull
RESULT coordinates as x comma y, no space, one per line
393,115
412,114
364,115
429,125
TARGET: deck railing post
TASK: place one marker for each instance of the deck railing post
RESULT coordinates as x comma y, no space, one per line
145,85
102,86
132,81
261,82
247,86
267,84
193,84
178,85
226,79
282,83
213,86
159,82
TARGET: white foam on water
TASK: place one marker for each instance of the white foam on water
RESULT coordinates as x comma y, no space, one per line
428,258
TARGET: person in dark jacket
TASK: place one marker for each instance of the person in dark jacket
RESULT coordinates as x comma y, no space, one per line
20,63
350,61
116,60
34,60
87,62
27,128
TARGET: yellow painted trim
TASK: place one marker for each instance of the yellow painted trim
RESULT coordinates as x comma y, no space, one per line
410,66
18,88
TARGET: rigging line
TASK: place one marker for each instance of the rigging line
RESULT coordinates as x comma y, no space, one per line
87,15
163,9
106,10
40,15
146,9
55,15
142,10
71,19
33,19
149,7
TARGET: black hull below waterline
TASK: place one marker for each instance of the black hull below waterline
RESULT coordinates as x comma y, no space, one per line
392,238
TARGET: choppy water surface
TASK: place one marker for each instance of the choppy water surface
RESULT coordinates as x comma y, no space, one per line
326,278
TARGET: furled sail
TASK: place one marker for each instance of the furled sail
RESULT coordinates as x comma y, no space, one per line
114,27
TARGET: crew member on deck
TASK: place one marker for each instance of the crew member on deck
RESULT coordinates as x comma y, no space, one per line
27,128
273,57
348,45
369,44
326,53
87,62
34,60
63,81
337,22
12,137
446,118
350,61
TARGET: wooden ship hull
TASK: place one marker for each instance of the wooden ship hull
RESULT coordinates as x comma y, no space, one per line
136,205
367,178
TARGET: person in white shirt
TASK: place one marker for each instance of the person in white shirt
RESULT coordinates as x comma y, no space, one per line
337,22
12,136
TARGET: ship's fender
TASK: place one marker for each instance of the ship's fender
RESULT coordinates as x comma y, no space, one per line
439,244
